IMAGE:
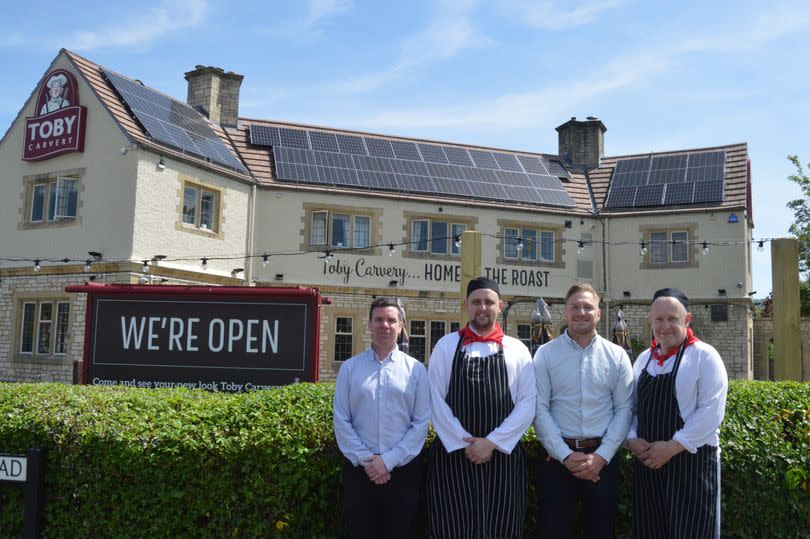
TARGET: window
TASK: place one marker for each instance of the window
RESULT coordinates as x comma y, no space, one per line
528,244
54,200
422,330
44,328
524,334
669,246
343,338
338,229
201,207
436,237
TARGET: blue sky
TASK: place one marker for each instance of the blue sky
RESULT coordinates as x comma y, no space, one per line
661,76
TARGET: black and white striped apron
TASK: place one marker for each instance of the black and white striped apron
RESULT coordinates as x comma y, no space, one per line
477,501
678,500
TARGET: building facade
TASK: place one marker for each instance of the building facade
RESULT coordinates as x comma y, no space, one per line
166,192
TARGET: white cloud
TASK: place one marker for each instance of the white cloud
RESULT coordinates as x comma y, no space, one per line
173,15
548,104
551,16
318,11
449,32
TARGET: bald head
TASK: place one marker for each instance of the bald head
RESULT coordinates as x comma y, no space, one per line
669,320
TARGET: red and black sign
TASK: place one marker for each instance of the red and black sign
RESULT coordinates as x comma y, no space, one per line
215,338
59,125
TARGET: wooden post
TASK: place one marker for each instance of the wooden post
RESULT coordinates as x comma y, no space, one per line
470,267
787,336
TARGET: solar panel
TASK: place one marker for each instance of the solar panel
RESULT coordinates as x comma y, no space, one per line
690,178
432,153
507,162
392,165
379,147
172,122
326,142
264,135
458,156
709,191
556,168
649,195
621,197
294,138
679,193
351,144
483,159
405,150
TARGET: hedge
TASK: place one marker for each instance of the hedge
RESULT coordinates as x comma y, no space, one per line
126,462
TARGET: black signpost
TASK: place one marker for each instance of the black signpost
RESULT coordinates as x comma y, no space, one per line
215,338
28,472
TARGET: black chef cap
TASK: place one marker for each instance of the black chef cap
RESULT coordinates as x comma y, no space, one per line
482,282
672,293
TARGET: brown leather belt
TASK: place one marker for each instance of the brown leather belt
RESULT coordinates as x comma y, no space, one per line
582,443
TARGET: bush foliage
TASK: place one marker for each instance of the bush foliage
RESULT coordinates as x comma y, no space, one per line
127,462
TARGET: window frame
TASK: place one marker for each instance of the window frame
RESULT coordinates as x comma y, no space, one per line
344,334
58,193
667,248
531,255
56,339
328,241
197,223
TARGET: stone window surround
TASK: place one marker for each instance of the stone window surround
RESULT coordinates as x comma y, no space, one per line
691,228
18,300
410,217
375,239
427,318
193,229
358,329
559,244
26,198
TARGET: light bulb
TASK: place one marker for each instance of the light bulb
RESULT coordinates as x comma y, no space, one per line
761,246
204,264
457,241
520,244
643,248
145,267
37,267
265,260
86,265
705,248
580,245
391,249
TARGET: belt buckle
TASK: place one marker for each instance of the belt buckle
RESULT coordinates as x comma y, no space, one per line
576,444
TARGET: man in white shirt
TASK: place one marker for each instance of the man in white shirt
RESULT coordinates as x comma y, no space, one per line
482,396
679,404
381,413
584,398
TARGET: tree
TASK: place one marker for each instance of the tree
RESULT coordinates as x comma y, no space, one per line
801,211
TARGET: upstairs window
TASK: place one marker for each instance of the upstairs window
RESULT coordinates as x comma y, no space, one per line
54,200
201,207
340,230
529,244
436,237
669,246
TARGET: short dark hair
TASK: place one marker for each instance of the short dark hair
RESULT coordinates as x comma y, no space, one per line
387,301
582,287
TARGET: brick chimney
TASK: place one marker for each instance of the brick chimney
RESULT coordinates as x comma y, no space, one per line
215,93
582,143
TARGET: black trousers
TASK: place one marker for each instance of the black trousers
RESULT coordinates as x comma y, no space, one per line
376,511
558,491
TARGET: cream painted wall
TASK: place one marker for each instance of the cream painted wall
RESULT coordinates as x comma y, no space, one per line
158,228
105,212
724,267
280,226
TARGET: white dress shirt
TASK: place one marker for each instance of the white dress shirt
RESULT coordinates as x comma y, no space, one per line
522,389
701,386
582,393
381,408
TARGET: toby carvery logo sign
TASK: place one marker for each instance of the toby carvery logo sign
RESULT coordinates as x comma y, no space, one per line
59,125
212,341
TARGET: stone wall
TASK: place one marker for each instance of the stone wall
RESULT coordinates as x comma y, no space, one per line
763,334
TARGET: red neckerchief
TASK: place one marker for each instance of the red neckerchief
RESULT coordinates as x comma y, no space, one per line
469,336
655,350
